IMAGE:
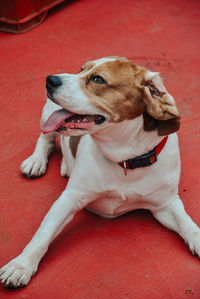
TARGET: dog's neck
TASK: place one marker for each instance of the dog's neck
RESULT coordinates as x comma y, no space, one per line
126,140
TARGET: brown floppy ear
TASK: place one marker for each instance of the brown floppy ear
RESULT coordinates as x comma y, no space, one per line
161,111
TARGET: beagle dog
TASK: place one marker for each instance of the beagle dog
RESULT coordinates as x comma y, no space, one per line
117,124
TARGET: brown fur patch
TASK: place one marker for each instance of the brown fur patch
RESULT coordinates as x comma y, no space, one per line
164,127
121,97
73,144
150,123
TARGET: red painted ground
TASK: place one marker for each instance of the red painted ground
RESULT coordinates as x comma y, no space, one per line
132,256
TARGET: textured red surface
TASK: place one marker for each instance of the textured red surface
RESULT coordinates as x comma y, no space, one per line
132,256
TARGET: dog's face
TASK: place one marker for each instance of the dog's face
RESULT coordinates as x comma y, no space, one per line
108,90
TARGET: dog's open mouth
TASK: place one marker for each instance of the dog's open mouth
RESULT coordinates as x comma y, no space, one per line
61,120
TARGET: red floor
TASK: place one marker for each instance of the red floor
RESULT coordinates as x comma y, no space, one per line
132,256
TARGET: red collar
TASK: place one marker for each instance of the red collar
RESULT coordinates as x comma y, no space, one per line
144,160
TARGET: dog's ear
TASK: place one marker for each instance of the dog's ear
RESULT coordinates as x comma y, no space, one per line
161,111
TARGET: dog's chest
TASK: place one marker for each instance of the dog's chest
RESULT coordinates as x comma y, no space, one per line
117,202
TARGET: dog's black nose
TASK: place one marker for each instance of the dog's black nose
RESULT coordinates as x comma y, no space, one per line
53,81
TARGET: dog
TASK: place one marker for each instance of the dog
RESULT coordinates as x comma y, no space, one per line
117,125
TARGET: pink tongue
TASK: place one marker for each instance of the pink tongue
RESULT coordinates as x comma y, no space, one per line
55,120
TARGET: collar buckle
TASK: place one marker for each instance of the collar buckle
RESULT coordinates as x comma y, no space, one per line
144,160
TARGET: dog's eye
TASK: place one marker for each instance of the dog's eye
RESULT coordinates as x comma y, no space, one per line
98,79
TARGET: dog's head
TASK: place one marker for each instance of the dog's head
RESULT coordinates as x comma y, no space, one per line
110,90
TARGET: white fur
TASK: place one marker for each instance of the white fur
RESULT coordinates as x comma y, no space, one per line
101,61
102,186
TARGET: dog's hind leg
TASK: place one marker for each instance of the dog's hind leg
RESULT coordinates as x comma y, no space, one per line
175,218
36,164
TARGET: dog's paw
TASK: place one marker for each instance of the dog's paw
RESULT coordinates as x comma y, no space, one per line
194,243
17,273
34,166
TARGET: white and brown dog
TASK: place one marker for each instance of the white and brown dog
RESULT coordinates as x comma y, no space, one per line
116,123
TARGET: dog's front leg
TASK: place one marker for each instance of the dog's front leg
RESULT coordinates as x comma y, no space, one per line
35,165
175,218
19,271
